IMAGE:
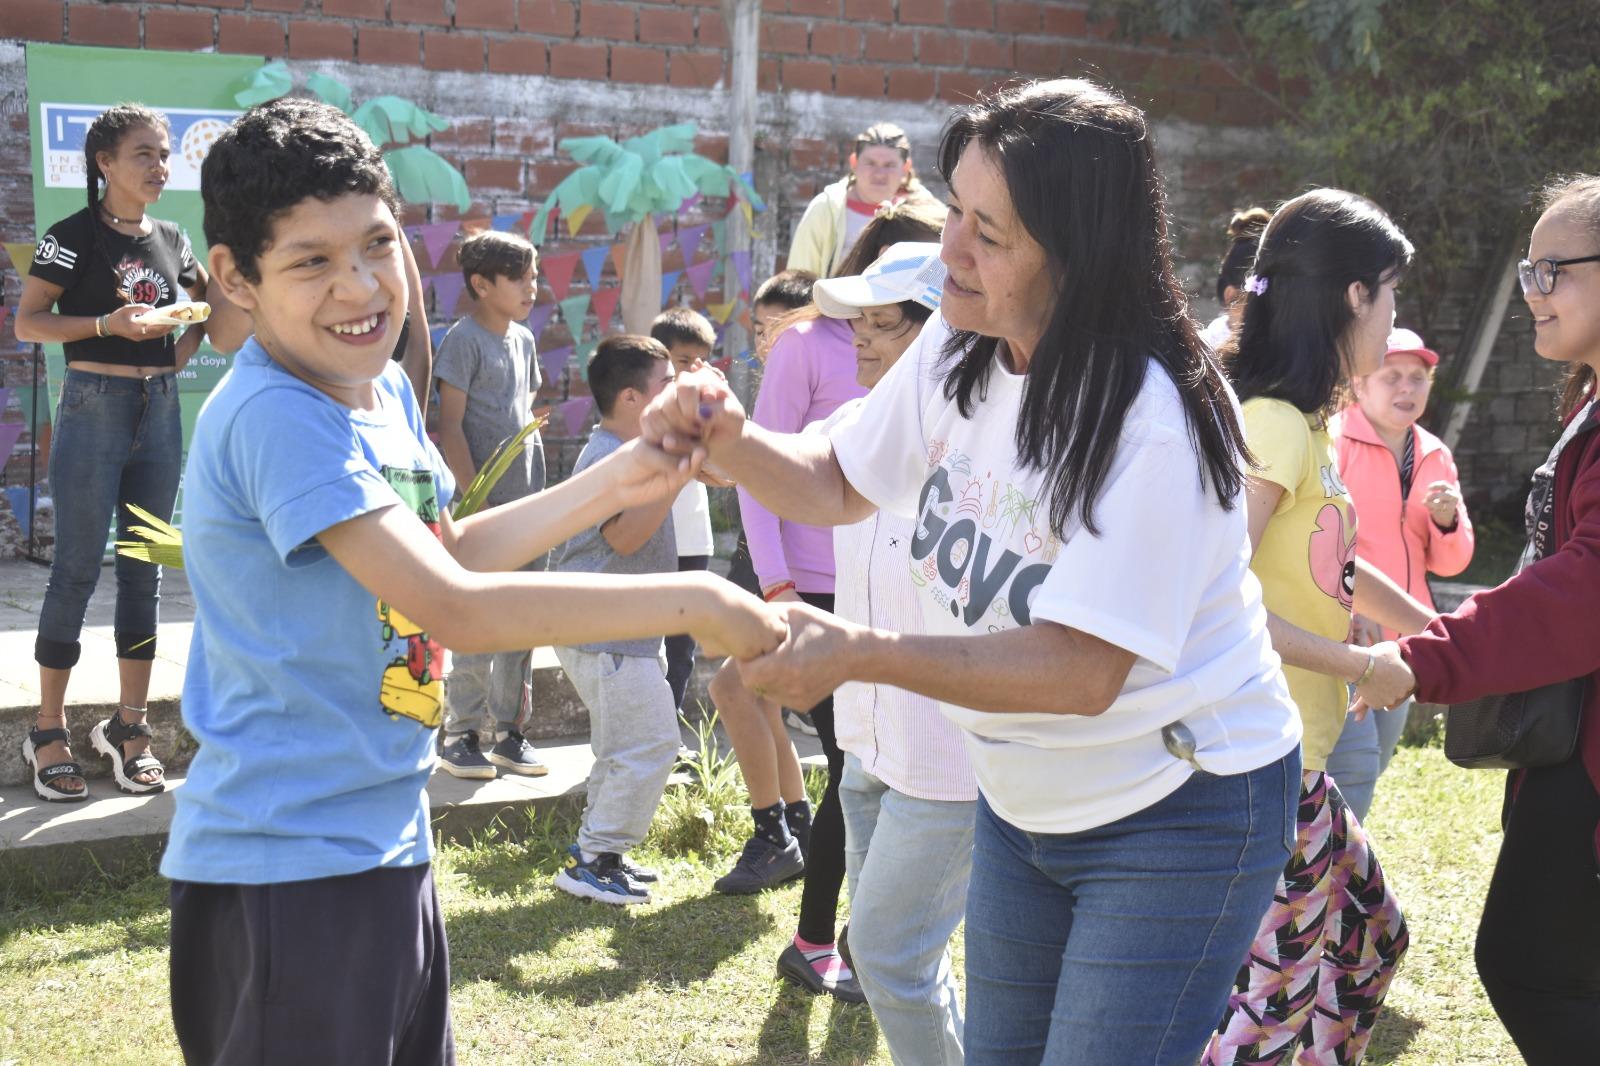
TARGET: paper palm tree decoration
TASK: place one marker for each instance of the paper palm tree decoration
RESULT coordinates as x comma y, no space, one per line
393,123
646,175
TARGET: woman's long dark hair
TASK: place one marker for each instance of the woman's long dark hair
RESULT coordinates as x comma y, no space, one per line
1580,193
104,135
1081,173
1289,344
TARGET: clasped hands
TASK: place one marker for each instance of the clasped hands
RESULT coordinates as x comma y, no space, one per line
787,651
1391,682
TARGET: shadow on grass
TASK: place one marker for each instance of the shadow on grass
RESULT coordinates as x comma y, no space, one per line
672,944
127,913
1392,1036
852,1034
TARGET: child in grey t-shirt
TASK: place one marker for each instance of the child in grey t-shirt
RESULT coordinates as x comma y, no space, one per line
487,377
633,721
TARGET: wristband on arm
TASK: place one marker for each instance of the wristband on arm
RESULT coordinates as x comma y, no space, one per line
773,592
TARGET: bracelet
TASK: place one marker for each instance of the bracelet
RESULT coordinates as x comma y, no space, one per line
1372,666
777,590
101,327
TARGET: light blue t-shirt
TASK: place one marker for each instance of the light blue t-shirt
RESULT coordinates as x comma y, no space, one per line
314,703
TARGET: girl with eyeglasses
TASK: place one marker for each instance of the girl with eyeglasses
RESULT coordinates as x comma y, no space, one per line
1538,949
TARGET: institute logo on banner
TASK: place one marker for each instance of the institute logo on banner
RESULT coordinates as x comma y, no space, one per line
65,125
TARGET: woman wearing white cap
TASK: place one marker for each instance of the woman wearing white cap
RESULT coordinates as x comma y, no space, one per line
1073,460
1404,484
908,791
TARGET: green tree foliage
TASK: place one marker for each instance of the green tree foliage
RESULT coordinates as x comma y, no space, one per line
1449,113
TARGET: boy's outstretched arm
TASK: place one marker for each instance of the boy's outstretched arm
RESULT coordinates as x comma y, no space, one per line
396,558
508,536
631,530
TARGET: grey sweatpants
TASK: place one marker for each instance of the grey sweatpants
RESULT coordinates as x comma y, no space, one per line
488,693
633,732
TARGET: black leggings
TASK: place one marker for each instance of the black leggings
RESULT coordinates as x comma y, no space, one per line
1538,950
819,897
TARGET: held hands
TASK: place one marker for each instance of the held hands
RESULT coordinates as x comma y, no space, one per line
1442,502
1391,682
695,410
1364,632
739,624
641,474
811,662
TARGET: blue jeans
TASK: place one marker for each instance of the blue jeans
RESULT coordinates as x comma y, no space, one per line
1363,754
1122,942
907,861
115,441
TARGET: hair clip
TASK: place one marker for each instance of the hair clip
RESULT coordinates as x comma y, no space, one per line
1255,284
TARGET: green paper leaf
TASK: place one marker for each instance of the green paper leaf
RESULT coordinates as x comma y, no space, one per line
541,222
601,151
423,176
267,83
330,90
391,120
474,495
160,542
617,190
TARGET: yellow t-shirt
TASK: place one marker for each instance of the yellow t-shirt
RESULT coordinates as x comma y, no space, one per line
1306,561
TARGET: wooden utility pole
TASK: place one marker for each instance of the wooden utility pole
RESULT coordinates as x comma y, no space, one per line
743,18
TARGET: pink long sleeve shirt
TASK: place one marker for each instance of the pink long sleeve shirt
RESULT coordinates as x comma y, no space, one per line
810,372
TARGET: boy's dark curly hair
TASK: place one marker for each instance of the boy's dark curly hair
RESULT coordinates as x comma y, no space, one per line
274,156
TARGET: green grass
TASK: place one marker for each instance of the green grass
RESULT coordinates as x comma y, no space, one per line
541,977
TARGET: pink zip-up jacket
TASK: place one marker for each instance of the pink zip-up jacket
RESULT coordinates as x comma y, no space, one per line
810,371
1396,535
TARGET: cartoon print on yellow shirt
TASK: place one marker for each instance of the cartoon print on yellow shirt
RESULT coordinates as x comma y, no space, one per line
1333,553
412,685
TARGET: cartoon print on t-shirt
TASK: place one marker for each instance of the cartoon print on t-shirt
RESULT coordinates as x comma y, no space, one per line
1333,553
985,579
412,685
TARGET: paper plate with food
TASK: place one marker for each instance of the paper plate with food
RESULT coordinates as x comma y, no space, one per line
183,313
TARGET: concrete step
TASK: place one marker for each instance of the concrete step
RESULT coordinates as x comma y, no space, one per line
58,844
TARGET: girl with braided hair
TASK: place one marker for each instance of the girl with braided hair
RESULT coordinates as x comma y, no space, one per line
117,438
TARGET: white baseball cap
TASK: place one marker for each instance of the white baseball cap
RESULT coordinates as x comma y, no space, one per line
909,270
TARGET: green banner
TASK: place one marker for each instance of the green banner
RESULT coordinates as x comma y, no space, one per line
68,86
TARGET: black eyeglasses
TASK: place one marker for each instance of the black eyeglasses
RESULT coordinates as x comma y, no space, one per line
1542,272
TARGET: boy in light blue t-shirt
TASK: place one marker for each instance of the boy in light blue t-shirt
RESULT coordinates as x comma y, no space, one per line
305,925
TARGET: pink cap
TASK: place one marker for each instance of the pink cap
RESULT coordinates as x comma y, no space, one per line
1408,342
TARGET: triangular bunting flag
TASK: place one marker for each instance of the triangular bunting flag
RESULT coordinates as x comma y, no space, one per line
721,312
539,317
669,282
525,220
577,217
575,413
605,305
557,272
746,357
594,263
689,240
18,495
573,311
436,237
447,293
585,353
9,434
700,277
553,362
741,264
619,252
504,223
744,320
21,253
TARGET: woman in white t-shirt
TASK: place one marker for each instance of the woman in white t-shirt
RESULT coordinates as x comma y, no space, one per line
1072,457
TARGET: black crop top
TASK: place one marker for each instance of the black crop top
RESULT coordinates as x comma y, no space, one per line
96,279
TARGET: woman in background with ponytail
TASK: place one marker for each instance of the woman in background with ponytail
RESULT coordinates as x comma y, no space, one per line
117,439
1244,234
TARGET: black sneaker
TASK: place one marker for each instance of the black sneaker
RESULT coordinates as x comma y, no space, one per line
514,753
762,865
602,879
642,874
461,757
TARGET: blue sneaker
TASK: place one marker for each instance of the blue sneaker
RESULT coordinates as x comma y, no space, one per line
515,754
461,757
601,879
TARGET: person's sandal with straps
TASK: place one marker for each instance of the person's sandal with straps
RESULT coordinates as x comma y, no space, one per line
47,782
108,738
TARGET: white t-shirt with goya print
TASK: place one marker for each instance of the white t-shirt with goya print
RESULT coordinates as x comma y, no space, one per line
1167,578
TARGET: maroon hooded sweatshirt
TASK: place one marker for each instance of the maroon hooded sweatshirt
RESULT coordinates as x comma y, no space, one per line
1539,627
